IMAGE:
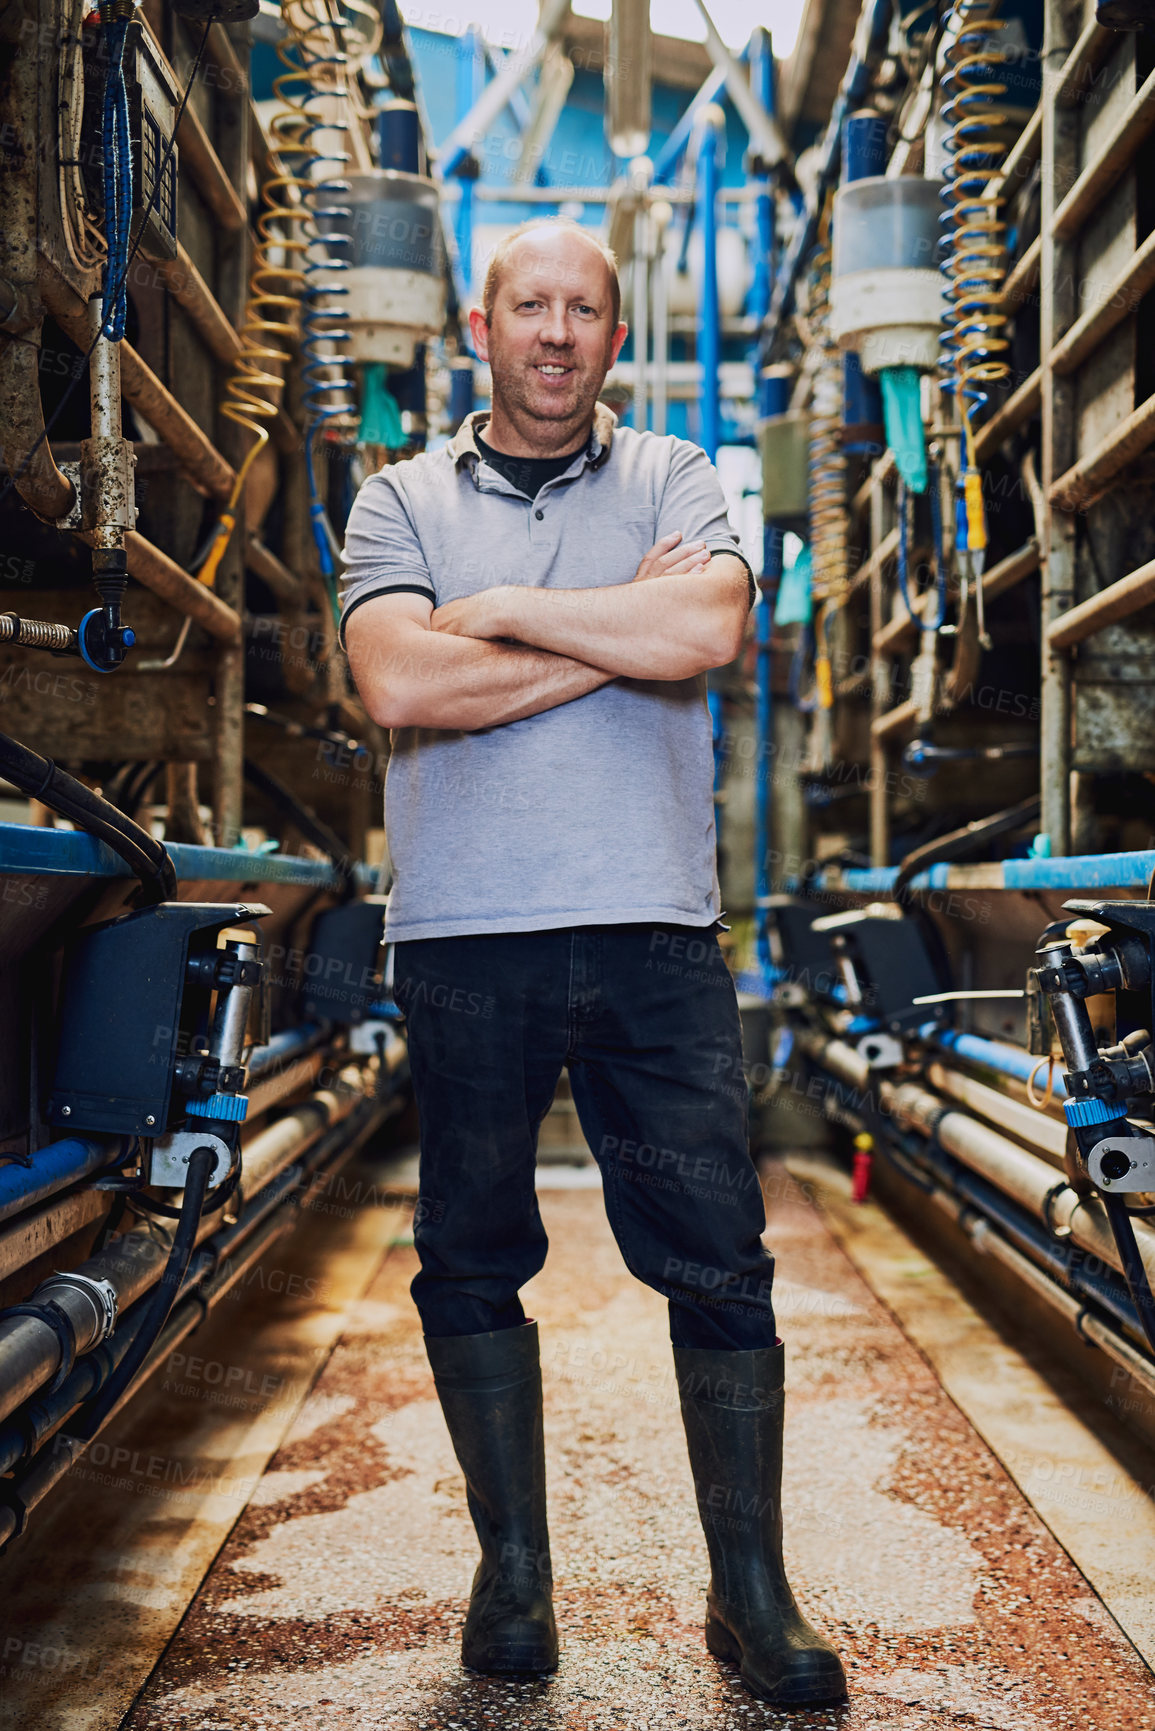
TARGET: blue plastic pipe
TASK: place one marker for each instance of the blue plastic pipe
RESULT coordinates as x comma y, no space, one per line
284,1047
671,153
994,1054
709,326
52,1168
762,84
470,80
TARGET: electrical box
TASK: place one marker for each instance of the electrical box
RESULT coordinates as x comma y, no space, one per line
802,954
784,441
135,1001
885,965
342,967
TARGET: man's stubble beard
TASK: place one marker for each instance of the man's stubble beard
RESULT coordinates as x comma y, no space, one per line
513,390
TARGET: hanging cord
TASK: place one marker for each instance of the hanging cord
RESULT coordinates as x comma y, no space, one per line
200,1168
935,620
38,777
119,284
1041,1102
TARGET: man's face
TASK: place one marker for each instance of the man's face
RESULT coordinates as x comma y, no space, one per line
552,339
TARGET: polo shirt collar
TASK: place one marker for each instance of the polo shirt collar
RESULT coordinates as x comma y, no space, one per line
464,442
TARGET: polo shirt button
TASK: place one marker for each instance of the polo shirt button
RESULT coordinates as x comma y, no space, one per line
539,515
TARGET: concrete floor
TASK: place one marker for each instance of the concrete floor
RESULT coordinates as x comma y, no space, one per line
338,1597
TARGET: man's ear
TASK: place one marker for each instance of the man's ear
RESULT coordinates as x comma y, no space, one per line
617,340
479,331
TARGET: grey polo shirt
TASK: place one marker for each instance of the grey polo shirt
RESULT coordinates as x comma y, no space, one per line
600,811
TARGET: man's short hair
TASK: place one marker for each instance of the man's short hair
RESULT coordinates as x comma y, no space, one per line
536,225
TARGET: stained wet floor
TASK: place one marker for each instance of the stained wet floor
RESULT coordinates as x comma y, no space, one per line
338,1598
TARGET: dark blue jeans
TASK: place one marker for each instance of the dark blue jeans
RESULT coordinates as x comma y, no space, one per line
646,1019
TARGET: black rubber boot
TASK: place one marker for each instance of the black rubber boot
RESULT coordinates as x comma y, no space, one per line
489,1386
732,1406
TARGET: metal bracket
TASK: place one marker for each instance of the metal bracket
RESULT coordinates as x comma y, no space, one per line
171,1154
101,1294
881,1051
1123,1163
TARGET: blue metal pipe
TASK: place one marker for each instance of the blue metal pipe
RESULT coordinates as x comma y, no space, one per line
52,1168
994,1054
709,335
286,1046
1092,871
762,84
773,399
674,148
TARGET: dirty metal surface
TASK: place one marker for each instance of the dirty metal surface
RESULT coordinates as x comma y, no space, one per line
338,1599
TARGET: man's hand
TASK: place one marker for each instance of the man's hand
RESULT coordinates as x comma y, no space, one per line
667,559
489,614
477,615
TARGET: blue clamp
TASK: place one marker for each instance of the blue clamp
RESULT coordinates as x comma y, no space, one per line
230,1106
1090,1110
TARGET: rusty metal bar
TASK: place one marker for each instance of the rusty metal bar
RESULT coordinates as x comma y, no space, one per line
893,637
196,453
189,289
1117,303
1082,62
286,586
887,549
882,471
205,166
24,449
1058,306
1018,408
895,721
1015,568
1024,152
23,446
1112,160
1025,275
1089,479
1118,601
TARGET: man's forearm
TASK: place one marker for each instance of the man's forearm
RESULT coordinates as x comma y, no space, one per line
433,680
660,629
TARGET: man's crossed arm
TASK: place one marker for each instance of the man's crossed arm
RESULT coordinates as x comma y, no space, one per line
416,667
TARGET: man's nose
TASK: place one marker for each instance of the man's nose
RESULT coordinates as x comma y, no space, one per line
556,328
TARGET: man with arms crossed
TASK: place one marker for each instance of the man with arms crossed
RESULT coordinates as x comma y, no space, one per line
531,611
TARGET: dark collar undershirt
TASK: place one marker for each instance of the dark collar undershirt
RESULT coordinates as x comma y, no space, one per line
528,474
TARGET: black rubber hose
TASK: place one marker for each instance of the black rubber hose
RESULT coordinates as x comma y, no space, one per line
200,1169
962,842
38,777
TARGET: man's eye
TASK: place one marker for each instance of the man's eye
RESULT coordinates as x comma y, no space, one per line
585,309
